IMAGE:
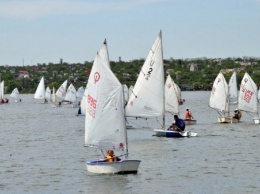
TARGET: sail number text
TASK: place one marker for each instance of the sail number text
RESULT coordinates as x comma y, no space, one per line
150,70
92,105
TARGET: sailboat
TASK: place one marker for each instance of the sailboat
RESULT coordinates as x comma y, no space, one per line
61,92
48,94
71,95
219,99
173,99
2,99
232,85
53,97
15,94
147,98
40,91
247,99
105,126
80,92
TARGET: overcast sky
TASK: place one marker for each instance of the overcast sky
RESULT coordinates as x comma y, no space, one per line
43,31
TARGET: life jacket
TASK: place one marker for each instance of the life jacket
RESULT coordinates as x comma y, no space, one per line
187,115
109,159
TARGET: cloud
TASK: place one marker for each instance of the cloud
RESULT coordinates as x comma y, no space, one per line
33,9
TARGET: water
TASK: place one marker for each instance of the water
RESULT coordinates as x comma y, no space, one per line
42,152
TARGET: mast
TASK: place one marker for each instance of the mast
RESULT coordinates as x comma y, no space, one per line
164,82
126,140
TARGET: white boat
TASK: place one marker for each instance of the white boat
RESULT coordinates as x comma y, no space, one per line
247,99
48,94
2,92
219,99
71,95
147,99
172,106
80,92
53,97
233,93
61,92
105,126
40,91
190,121
15,94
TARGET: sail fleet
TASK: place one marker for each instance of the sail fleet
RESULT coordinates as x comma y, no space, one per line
106,102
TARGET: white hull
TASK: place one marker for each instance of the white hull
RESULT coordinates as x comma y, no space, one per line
190,122
165,133
227,120
256,121
121,167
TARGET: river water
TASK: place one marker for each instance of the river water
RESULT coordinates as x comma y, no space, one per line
42,152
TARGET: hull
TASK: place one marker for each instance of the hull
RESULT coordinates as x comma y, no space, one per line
121,167
164,133
256,121
190,122
227,120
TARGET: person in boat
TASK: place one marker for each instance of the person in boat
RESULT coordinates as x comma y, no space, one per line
110,157
188,115
179,124
237,114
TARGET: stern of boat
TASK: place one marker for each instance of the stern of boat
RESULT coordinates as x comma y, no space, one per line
120,167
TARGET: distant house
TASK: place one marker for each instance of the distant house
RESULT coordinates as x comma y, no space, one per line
12,71
23,74
227,70
193,67
35,68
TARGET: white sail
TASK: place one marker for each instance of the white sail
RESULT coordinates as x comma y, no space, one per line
2,85
71,94
126,94
130,91
80,92
103,53
178,92
258,94
171,99
247,99
219,95
105,122
15,94
146,98
48,93
232,84
40,91
61,92
83,103
53,96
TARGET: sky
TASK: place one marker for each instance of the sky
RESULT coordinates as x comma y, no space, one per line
44,31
